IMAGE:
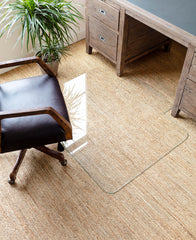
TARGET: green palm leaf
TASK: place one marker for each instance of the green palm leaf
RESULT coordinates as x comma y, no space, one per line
47,24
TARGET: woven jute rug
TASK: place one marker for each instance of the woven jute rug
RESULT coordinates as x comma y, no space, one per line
120,128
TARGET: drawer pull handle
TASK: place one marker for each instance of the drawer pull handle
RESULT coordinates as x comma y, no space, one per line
102,38
102,11
188,90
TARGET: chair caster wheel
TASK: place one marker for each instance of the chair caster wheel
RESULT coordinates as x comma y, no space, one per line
64,163
60,147
11,181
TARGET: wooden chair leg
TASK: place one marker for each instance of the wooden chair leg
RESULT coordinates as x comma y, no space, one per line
17,166
53,154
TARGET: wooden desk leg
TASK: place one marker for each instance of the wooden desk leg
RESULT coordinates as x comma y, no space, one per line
123,29
167,46
182,82
88,47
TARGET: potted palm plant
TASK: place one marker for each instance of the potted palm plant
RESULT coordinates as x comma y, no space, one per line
46,25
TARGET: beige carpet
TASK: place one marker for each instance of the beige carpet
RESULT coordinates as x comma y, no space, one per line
119,127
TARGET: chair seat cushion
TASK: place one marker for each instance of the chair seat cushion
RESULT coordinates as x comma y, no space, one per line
26,132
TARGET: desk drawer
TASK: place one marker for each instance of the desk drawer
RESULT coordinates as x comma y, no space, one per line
192,72
104,12
103,38
189,97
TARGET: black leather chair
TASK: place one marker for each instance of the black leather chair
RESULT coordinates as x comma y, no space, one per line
32,114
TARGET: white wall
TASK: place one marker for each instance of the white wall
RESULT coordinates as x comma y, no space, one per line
8,50
81,8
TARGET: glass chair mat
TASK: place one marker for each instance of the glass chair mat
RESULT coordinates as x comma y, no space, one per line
119,127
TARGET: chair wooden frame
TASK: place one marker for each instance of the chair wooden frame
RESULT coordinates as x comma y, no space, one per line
66,126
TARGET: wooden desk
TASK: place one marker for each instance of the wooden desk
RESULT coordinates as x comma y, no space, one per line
124,30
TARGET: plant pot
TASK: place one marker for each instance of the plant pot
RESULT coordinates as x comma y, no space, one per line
53,65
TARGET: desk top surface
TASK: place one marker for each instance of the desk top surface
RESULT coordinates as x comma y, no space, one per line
181,13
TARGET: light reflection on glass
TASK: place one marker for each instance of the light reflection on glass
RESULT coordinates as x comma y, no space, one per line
75,97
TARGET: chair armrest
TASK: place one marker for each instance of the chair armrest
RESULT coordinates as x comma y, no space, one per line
39,111
22,61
